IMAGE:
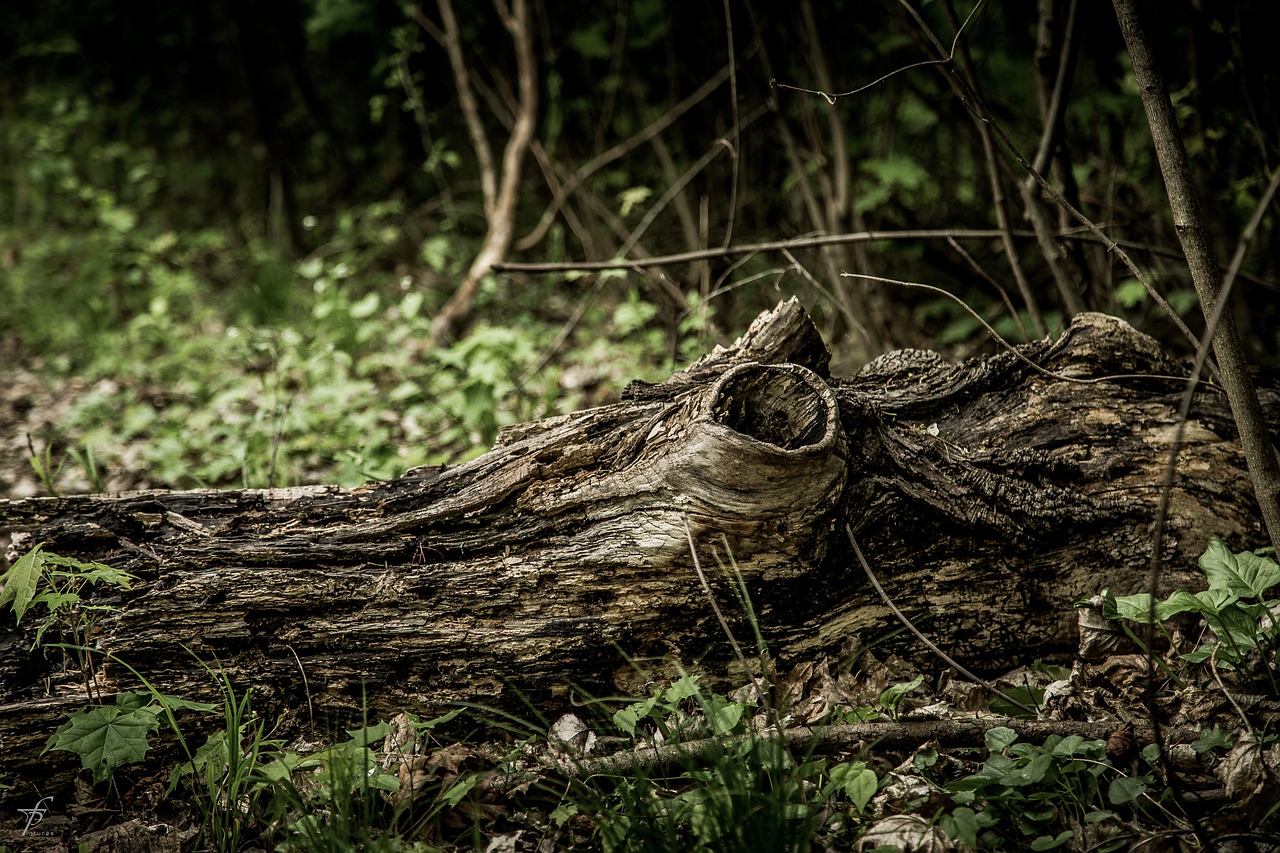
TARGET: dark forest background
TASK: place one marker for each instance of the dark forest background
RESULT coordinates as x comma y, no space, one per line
232,226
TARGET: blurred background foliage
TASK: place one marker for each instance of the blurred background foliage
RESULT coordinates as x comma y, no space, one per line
226,227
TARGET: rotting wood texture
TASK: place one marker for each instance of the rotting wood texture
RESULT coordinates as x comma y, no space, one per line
989,495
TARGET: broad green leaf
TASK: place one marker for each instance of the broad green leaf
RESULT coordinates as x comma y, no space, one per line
1032,772
563,812
1129,292
1180,602
1068,746
722,714
1125,789
859,784
1214,738
105,738
1135,608
684,688
627,718
962,825
1215,600
55,600
1000,738
1049,842
459,790
1236,630
893,695
1244,574
18,585
369,734
427,725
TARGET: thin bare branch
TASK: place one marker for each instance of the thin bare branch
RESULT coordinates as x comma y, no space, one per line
893,608
748,248
1197,245
466,99
604,158
500,211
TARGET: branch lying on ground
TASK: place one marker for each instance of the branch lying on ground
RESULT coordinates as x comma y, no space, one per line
899,734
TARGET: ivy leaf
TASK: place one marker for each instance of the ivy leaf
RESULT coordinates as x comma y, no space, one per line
105,738
18,585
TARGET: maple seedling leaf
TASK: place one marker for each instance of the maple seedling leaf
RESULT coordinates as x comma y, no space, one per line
18,585
105,738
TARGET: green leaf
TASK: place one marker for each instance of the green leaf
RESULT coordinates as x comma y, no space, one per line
686,687
1049,842
563,812
891,697
858,783
722,714
1000,738
962,825
1179,602
369,734
1129,292
459,790
1032,772
1125,789
428,725
18,586
1245,574
1214,738
1027,695
1135,608
105,738
365,307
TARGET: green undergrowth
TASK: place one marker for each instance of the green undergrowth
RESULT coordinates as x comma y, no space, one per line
322,374
686,766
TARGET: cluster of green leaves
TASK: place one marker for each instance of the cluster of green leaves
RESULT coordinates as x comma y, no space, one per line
245,783
60,585
1041,797
1235,607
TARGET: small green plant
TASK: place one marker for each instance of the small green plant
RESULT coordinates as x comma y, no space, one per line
108,737
330,800
1235,608
734,789
59,585
1042,797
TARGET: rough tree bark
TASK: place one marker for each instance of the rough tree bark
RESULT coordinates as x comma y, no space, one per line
989,496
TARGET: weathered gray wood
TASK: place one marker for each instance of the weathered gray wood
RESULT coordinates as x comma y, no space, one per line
989,496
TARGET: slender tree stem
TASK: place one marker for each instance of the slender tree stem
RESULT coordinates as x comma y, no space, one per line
1193,233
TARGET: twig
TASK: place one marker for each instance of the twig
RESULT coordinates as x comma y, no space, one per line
750,248
604,158
500,202
736,143
706,587
973,102
903,734
1061,377
466,98
893,608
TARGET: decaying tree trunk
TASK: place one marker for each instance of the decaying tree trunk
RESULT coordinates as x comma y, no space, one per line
988,495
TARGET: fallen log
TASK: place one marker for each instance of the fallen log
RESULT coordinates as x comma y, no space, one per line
989,496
